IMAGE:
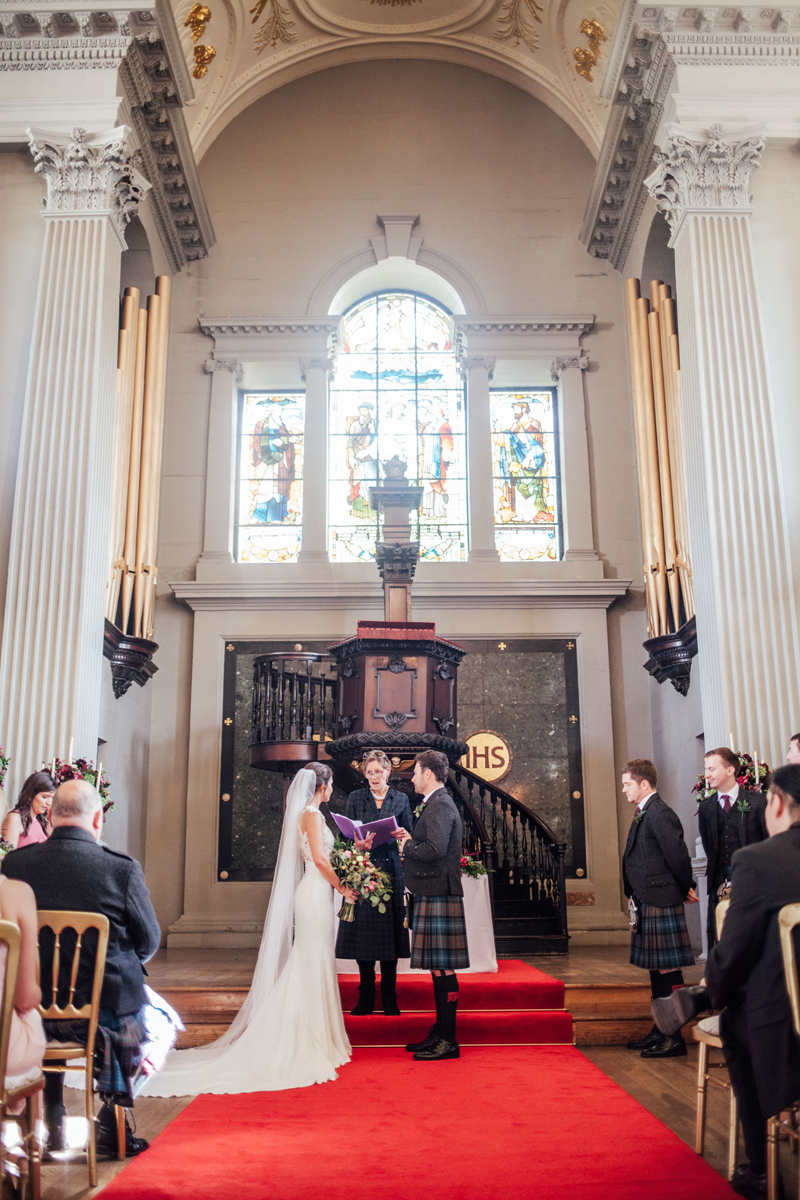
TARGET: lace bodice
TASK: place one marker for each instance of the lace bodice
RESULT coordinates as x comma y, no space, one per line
327,838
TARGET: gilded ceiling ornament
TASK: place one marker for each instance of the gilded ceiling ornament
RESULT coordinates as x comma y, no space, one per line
198,18
202,58
516,23
586,59
276,28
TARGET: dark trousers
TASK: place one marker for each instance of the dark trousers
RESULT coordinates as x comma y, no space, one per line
735,1047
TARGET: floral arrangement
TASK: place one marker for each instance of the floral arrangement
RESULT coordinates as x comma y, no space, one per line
4,761
751,776
472,866
5,847
357,871
83,768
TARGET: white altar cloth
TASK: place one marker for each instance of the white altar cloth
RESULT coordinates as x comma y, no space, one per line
480,932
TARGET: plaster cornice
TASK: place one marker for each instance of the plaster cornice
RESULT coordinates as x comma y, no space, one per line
250,327
326,595
577,326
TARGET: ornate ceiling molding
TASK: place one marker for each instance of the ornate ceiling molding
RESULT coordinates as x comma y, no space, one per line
651,40
538,338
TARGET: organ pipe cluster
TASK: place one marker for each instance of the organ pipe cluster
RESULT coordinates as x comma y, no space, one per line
656,377
138,426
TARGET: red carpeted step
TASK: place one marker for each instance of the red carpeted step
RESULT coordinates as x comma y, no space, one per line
548,1027
516,985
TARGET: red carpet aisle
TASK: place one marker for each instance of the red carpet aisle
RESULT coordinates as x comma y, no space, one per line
527,1122
521,1114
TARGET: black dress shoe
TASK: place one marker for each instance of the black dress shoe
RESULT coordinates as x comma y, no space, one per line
106,1137
390,1006
668,1047
440,1049
54,1119
426,1043
649,1039
745,1183
671,1013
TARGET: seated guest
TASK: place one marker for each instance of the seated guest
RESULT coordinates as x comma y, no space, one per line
29,819
27,1041
72,871
745,975
793,753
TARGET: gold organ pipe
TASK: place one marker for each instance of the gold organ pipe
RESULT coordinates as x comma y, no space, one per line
163,291
651,462
672,379
663,464
632,297
122,434
145,489
129,553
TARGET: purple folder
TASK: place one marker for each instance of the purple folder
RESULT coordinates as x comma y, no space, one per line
382,829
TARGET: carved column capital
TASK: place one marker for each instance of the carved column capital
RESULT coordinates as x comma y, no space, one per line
581,362
704,174
315,364
89,175
225,364
477,364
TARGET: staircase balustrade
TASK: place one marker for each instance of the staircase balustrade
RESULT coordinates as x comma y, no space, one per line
294,700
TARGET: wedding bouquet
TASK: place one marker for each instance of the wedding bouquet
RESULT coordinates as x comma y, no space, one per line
472,866
83,768
356,870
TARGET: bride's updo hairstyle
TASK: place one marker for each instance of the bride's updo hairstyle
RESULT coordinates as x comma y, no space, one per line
323,773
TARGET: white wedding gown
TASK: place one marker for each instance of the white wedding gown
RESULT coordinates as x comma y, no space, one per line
292,1029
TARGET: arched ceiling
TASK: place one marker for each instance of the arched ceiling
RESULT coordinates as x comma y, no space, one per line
528,43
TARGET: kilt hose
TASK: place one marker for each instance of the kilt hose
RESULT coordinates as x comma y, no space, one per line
440,934
662,942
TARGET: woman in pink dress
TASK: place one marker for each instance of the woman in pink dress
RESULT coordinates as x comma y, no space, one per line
29,820
27,1041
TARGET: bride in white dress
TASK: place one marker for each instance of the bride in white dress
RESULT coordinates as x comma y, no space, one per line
289,1033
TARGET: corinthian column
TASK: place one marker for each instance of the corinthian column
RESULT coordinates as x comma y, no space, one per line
52,651
746,620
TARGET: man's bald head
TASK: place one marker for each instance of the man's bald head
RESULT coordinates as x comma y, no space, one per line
76,802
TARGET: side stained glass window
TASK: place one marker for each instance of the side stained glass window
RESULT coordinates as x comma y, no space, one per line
270,477
397,392
525,470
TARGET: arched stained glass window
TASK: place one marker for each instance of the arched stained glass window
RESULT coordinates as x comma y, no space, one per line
269,502
397,391
525,467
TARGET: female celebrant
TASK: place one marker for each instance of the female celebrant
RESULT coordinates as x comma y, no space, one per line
371,934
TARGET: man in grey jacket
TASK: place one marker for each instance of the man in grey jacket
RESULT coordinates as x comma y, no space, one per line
71,871
432,871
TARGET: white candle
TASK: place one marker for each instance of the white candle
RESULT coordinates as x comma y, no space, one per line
755,770
71,744
99,773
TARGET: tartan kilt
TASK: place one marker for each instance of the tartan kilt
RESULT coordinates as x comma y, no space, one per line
663,939
117,1049
440,934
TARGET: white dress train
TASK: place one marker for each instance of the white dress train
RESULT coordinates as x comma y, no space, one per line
294,1034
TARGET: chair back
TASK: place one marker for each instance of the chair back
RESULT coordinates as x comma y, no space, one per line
788,919
79,922
720,914
11,938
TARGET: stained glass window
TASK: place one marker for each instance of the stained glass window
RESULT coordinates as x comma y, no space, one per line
397,391
270,477
525,469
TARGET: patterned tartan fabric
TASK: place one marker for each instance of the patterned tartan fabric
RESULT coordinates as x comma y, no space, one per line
663,939
117,1049
440,934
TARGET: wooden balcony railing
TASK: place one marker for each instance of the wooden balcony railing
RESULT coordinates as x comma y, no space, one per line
294,707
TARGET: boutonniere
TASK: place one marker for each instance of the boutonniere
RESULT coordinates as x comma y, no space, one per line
639,816
743,806
419,809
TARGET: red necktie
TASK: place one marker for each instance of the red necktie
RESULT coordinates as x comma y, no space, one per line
726,804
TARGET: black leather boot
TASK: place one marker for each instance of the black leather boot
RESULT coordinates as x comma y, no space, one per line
55,1113
389,988
106,1134
366,989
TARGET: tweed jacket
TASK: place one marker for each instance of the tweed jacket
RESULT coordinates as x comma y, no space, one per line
745,969
432,859
751,828
656,867
71,871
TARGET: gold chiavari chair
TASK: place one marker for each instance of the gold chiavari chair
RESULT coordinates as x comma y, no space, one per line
67,1054
707,1041
788,920
11,938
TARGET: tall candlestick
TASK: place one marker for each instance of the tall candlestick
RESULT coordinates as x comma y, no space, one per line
71,745
755,769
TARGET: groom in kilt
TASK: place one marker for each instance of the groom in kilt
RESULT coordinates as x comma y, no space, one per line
657,873
432,872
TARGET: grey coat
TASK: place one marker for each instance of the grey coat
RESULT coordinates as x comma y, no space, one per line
432,859
656,866
71,871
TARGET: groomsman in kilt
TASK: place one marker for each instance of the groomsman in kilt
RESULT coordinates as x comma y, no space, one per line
432,871
657,874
